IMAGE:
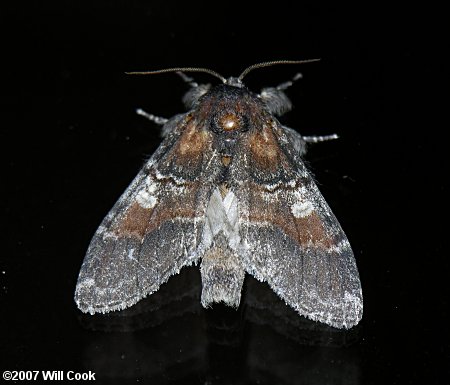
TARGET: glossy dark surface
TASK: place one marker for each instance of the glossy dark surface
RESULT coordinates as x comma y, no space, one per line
74,143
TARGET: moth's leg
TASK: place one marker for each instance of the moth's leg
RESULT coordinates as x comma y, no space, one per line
317,139
296,140
168,124
188,80
299,142
276,100
196,91
286,85
156,119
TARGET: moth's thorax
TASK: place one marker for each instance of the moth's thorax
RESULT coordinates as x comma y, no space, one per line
228,109
230,114
229,121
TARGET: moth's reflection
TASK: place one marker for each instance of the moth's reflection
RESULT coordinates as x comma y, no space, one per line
169,337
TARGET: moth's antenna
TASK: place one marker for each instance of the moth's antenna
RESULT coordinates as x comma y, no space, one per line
271,63
180,69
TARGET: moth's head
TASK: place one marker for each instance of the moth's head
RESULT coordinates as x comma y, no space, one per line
192,97
273,99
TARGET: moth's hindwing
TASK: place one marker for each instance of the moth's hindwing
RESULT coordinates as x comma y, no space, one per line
293,240
155,227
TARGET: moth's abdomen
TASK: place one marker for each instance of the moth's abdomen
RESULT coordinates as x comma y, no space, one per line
222,277
222,269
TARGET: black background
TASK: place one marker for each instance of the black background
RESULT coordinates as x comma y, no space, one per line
71,143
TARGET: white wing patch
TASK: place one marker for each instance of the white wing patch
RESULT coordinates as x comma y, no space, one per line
145,197
130,254
302,207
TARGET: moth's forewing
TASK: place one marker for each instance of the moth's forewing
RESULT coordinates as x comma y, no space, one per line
155,227
294,241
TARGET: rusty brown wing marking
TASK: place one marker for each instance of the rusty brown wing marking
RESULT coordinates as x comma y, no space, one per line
155,227
293,240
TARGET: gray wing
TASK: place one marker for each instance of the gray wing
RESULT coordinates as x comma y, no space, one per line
291,238
154,228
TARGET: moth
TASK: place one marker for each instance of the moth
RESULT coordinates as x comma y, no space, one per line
227,190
